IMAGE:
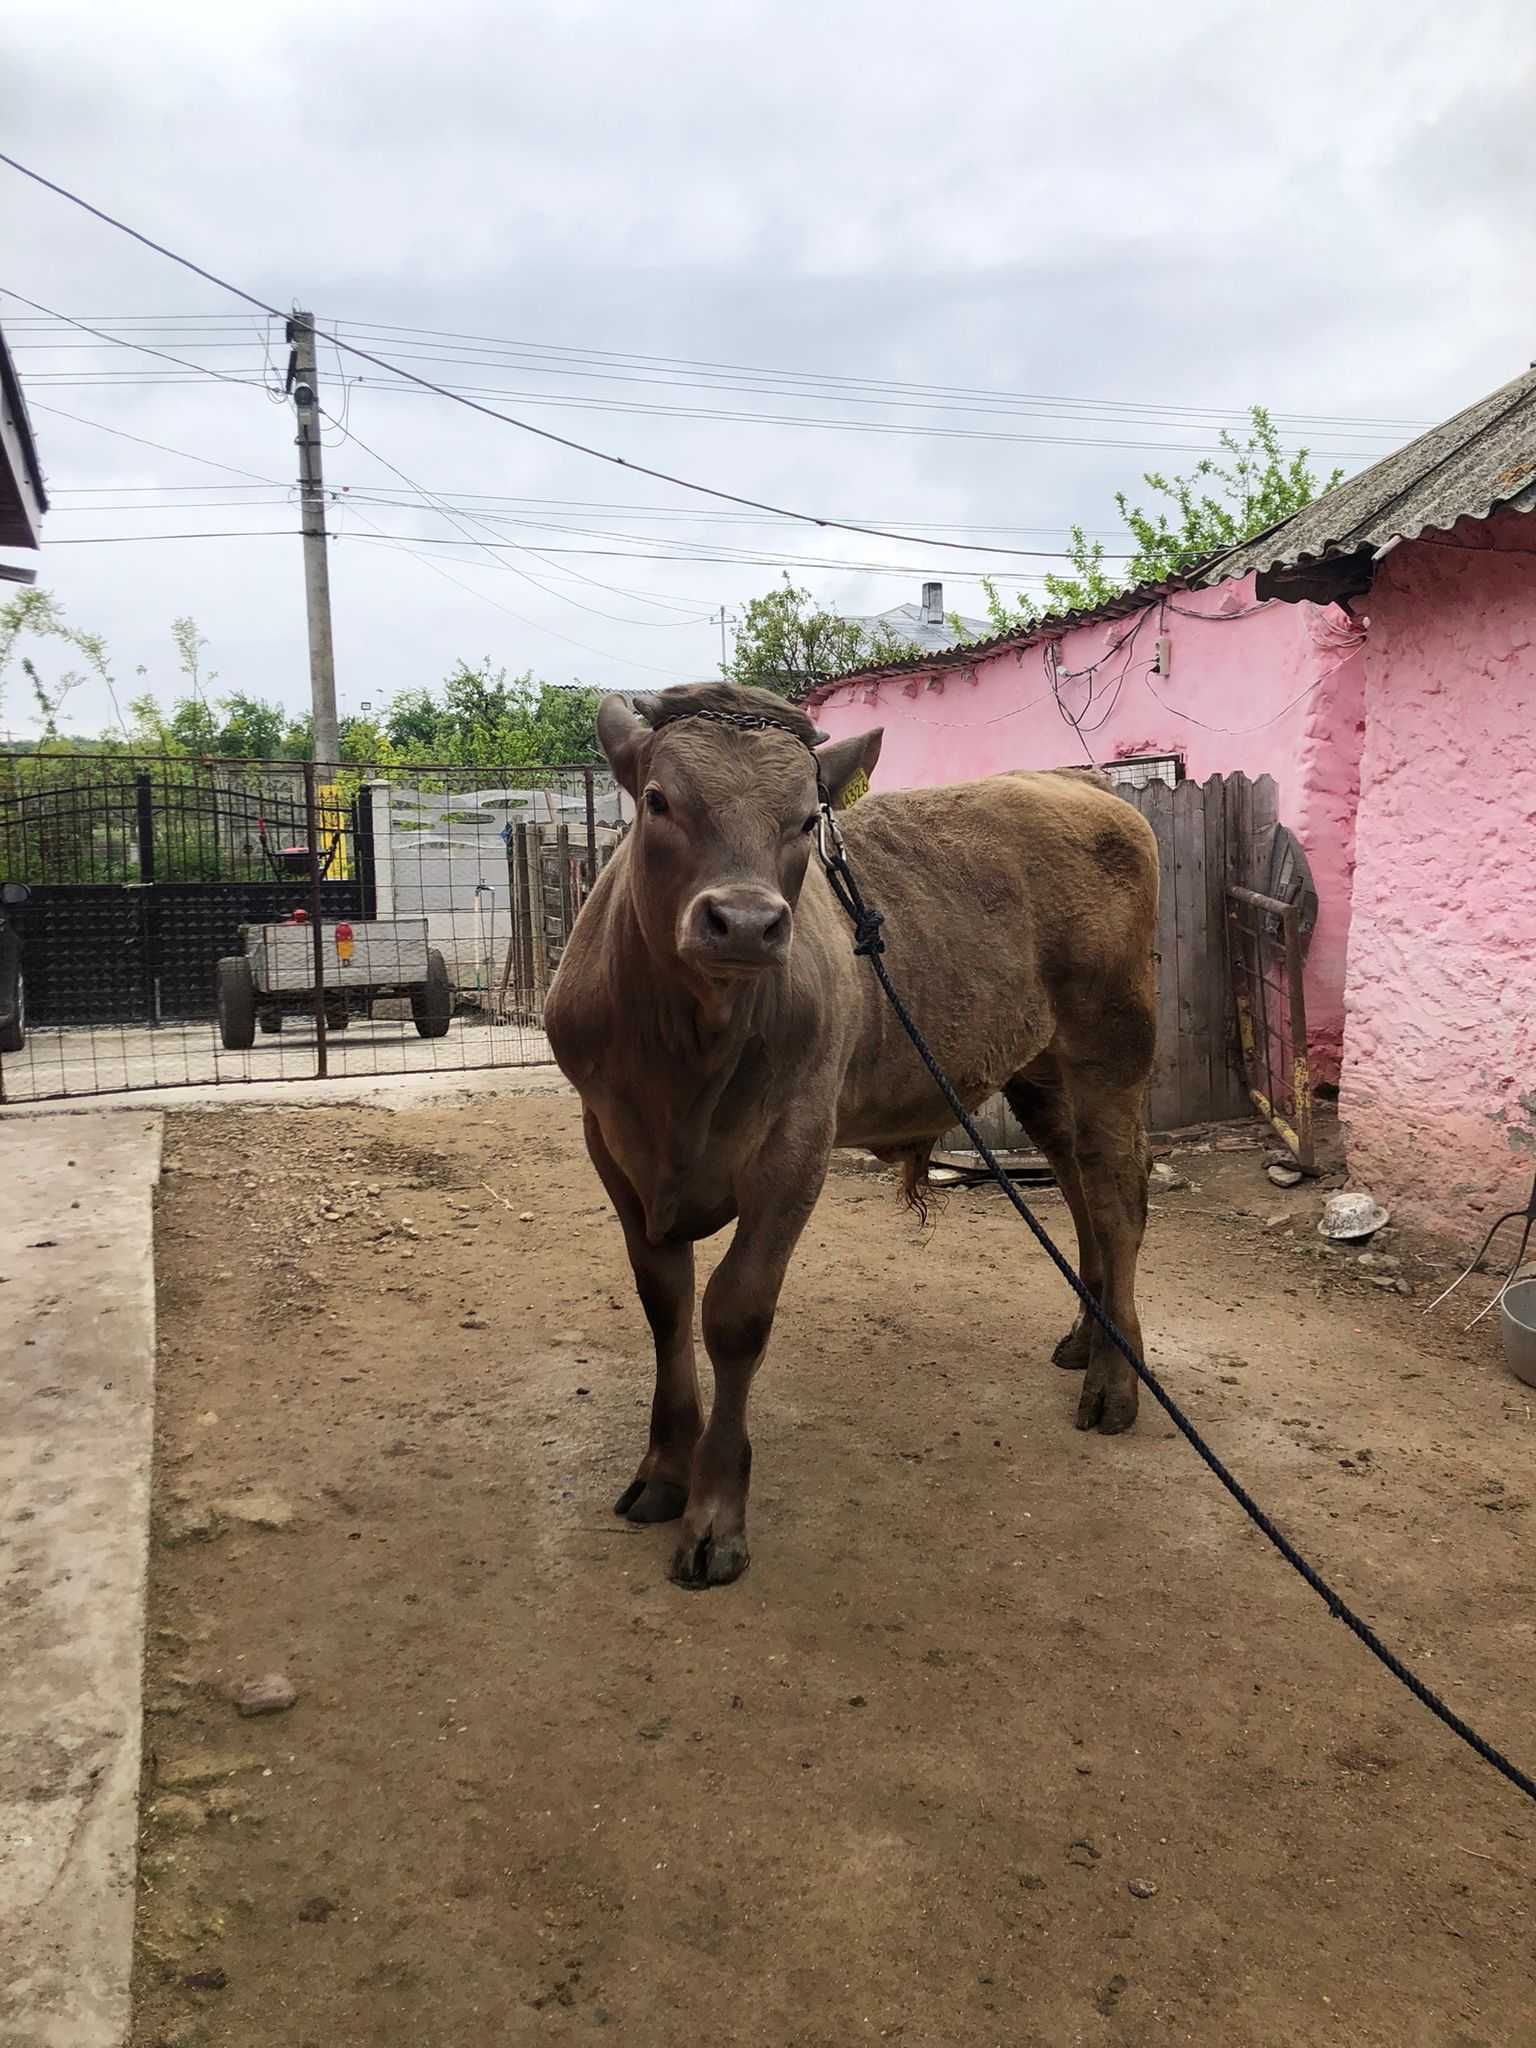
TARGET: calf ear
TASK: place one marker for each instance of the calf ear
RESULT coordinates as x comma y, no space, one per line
619,734
841,760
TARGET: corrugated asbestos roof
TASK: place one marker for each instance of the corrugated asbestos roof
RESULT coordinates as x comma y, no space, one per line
1117,607
1483,458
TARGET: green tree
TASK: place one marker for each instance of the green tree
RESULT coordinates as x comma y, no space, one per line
411,721
1220,503
786,643
252,727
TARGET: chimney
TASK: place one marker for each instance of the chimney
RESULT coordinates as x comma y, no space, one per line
933,604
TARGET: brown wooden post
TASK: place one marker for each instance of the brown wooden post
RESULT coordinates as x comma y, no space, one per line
312,833
525,915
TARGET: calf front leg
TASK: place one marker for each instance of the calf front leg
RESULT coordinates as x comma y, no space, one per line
739,1306
664,1281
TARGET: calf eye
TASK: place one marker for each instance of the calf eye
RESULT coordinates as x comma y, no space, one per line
655,802
811,822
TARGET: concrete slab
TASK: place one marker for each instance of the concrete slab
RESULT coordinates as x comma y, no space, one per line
77,1346
379,1091
109,1058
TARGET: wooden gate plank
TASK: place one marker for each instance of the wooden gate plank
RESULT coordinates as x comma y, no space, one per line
1164,1103
1196,954
1228,1094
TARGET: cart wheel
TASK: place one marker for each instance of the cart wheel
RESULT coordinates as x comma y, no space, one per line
432,1002
237,1003
13,1033
337,1017
270,1021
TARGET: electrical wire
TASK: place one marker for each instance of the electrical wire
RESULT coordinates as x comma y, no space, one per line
437,505
35,405
437,568
85,328
523,350
489,412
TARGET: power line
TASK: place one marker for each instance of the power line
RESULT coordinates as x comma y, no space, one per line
490,412
35,405
472,394
180,361
437,569
787,385
453,521
625,358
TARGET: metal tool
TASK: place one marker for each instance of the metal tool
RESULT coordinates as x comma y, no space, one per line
1527,1215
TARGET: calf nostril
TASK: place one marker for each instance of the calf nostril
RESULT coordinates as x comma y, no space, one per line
716,921
777,927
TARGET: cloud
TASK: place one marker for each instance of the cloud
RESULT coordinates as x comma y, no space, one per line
1323,208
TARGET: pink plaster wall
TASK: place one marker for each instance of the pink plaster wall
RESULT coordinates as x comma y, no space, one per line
1441,992
1277,690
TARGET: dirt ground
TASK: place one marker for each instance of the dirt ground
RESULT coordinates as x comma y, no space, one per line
1009,1736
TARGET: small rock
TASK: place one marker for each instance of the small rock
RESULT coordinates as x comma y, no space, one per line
318,1910
181,1815
1285,1176
1277,1222
166,1703
473,1322
188,1524
1083,1854
1142,1888
1402,1287
1165,1179
1084,1770
1109,1995
1384,1280
271,1694
205,1980
526,1216
856,1699
205,1767
258,1510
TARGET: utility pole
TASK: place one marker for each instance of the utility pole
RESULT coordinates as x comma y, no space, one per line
303,385
722,640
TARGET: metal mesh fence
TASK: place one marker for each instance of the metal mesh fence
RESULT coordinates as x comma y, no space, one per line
196,922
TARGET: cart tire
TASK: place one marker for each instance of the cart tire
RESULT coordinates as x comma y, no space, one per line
237,1003
270,1021
432,1002
13,1033
337,1019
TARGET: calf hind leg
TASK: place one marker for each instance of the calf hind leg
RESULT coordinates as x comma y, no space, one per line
1112,1158
1039,1099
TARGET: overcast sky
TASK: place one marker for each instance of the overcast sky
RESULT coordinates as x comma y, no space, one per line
1324,207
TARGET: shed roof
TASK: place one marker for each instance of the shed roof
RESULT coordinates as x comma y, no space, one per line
23,500
1483,458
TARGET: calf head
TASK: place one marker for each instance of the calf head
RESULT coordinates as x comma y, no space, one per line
725,818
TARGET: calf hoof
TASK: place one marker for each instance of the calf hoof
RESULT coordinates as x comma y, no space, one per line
1071,1354
710,1561
1107,1405
651,1500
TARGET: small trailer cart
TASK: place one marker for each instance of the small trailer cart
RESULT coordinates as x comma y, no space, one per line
274,975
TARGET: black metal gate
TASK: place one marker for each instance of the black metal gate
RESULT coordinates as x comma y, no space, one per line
142,873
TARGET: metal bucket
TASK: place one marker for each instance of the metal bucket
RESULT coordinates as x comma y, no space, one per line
1517,1315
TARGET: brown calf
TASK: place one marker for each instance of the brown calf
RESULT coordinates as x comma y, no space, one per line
724,1038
